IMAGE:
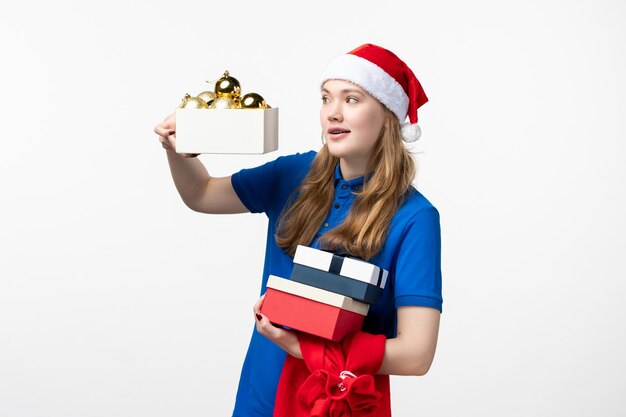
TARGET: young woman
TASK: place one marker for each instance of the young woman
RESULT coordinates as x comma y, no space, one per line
355,197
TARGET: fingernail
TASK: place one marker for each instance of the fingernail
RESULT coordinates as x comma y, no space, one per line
258,317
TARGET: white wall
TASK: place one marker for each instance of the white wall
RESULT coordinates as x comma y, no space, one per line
117,300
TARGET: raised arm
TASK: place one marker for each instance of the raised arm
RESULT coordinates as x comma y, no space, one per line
198,190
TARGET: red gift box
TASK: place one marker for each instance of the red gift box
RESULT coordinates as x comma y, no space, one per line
312,310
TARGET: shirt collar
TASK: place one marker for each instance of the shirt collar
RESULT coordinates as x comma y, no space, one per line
353,183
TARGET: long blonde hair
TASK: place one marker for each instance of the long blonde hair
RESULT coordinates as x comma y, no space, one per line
364,231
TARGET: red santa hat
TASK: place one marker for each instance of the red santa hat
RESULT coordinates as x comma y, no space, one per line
386,77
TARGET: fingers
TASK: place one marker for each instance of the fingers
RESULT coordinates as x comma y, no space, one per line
259,304
166,135
167,126
285,339
263,324
266,328
164,129
167,143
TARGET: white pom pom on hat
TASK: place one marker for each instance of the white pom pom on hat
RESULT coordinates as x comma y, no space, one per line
386,77
411,132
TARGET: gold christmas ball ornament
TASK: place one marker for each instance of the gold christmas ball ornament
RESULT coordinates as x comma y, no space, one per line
223,103
227,86
193,103
207,96
226,94
253,101
184,101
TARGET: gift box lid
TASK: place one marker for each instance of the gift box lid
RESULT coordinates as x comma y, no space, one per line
317,294
347,267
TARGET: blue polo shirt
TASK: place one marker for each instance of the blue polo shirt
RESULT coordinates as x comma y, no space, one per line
411,254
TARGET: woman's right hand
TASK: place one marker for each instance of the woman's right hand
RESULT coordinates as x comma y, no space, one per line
287,340
166,130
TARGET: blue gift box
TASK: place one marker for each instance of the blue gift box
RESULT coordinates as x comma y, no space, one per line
338,284
351,277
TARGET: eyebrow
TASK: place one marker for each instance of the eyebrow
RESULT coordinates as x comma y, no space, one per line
344,91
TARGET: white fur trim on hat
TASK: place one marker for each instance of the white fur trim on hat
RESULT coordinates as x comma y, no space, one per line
411,132
372,79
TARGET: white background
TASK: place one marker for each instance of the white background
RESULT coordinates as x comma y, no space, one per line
117,300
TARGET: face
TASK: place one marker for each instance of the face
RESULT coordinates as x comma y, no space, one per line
351,120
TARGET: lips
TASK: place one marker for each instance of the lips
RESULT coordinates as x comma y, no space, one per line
337,132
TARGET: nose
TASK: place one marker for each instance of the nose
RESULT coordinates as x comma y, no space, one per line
334,112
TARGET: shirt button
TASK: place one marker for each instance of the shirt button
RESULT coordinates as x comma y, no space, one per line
344,186
336,205
325,224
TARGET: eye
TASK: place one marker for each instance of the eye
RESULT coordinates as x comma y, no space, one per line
325,100
352,100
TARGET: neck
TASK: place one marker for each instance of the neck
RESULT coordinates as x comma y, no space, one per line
351,169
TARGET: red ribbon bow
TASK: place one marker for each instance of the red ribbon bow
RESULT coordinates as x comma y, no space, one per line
320,385
330,395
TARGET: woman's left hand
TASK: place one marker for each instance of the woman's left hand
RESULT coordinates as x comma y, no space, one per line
285,339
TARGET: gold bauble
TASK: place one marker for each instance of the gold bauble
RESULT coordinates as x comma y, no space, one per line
193,103
184,101
207,96
223,103
237,101
227,86
253,101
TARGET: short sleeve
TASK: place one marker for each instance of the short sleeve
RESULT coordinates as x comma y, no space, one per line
253,186
417,276
260,188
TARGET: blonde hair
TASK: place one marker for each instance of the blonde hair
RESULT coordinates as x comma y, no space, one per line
364,231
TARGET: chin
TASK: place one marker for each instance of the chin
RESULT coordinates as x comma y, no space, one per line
340,155
337,150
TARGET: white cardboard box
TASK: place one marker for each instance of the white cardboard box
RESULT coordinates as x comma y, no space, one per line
237,131
348,267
